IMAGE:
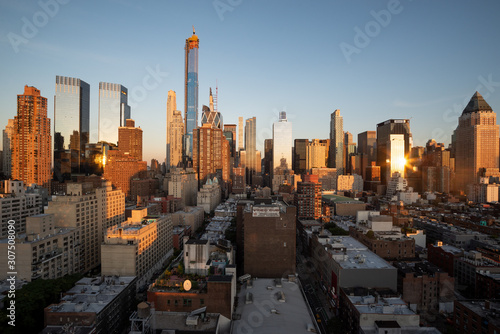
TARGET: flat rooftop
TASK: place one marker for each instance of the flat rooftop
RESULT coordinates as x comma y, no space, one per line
293,315
349,253
92,294
177,321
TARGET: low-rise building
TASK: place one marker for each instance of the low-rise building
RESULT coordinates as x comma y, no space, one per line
44,251
210,195
269,306
183,294
342,261
16,205
476,316
425,287
190,215
381,237
99,305
378,311
444,256
466,267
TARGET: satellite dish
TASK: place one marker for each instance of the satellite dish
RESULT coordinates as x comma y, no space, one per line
187,285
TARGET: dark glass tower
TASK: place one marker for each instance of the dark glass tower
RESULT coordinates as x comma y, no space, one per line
71,126
191,94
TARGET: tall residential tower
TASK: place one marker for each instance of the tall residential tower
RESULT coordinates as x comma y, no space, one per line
31,140
190,94
282,143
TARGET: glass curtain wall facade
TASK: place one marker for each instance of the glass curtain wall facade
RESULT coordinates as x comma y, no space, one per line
191,94
113,111
71,126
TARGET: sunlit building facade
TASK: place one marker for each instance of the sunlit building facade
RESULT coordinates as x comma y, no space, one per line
113,110
31,140
7,149
282,142
175,132
477,142
71,125
191,93
137,247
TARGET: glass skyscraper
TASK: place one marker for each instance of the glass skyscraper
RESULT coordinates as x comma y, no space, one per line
71,125
113,111
282,143
191,93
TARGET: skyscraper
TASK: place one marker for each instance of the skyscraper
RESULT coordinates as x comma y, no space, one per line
31,140
130,140
337,142
113,110
250,148
190,93
300,155
210,115
232,129
282,142
175,132
241,143
7,151
71,125
476,142
384,132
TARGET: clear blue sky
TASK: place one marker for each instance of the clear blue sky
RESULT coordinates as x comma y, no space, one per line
308,58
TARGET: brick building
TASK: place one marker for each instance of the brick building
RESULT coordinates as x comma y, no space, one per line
444,256
424,285
307,199
216,293
268,234
476,317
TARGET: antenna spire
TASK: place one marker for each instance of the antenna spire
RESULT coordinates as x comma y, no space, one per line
194,33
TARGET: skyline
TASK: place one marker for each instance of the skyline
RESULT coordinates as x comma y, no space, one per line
423,62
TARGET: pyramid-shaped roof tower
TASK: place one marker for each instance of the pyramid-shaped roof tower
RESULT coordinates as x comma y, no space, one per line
476,103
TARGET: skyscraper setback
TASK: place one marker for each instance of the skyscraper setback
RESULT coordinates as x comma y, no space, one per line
477,143
31,140
113,110
190,93
71,125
